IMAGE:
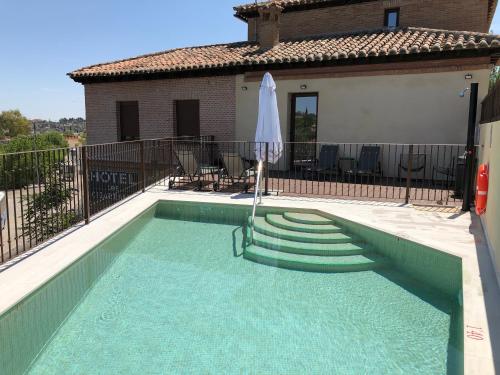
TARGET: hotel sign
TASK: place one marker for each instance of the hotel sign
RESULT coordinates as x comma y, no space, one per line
112,185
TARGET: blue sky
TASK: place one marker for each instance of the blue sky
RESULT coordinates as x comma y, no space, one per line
41,41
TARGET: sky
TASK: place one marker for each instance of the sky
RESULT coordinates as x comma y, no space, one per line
41,41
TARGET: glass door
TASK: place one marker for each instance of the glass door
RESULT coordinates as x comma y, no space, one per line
303,129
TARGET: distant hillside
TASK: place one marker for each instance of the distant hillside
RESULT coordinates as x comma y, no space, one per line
72,125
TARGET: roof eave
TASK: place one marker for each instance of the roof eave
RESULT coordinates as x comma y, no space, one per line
240,69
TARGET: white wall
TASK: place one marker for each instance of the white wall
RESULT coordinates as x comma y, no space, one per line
411,108
489,153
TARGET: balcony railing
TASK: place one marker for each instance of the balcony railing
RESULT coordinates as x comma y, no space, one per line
47,192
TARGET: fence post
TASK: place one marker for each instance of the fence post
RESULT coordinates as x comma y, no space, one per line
471,149
408,174
266,188
143,166
85,177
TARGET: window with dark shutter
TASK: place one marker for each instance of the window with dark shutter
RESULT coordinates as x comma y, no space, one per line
128,121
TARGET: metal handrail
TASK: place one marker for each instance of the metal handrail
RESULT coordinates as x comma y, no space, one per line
256,195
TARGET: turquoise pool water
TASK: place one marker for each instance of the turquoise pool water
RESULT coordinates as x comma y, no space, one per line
180,299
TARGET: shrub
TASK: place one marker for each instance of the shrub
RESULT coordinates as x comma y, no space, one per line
20,166
48,214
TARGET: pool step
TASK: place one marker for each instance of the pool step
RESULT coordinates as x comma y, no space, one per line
307,248
303,218
350,263
262,226
308,242
282,222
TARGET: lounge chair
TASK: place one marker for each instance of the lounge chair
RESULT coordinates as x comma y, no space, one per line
234,168
188,167
368,163
327,163
418,163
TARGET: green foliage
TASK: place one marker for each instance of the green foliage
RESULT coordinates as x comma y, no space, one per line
83,138
13,124
54,139
494,76
44,141
48,212
20,168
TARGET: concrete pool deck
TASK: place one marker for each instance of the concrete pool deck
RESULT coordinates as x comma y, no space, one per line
454,233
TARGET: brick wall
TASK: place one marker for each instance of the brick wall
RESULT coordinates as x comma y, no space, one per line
157,106
470,15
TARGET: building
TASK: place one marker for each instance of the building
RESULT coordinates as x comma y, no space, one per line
347,71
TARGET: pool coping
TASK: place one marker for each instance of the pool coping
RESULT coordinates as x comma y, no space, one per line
479,281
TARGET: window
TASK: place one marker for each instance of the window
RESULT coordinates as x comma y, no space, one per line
187,113
391,18
128,121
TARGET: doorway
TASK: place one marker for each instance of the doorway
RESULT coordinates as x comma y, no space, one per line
303,128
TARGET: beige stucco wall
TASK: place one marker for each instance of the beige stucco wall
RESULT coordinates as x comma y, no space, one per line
409,108
490,153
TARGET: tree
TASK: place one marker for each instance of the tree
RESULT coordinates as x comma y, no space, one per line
13,124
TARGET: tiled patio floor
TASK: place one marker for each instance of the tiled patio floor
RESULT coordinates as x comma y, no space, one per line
419,194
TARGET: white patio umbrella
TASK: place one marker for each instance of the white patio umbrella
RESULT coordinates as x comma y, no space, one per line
268,123
268,131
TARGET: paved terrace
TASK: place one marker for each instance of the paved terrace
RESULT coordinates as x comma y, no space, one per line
450,231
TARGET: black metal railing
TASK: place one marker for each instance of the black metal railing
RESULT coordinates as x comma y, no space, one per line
47,192
392,172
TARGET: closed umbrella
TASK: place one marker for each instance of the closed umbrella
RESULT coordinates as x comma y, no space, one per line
268,123
268,130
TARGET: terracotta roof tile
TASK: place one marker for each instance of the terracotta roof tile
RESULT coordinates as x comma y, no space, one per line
249,10
360,45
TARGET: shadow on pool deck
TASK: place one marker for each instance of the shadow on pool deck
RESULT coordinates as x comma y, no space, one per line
491,290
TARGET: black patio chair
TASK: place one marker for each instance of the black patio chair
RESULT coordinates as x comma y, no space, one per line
368,163
326,164
418,163
236,169
446,170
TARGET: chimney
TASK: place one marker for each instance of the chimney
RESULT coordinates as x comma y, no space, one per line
269,25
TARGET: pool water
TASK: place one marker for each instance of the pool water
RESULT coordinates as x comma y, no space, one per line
181,299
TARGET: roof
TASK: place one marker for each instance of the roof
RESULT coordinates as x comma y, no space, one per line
251,10
246,11
382,45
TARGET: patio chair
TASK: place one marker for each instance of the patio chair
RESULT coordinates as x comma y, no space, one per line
235,169
368,163
447,171
418,163
327,162
188,167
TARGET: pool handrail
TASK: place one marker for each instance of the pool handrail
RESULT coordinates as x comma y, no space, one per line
257,194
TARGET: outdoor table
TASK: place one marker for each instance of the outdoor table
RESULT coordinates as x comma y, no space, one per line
346,164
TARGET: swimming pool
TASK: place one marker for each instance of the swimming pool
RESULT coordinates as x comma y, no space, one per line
172,293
